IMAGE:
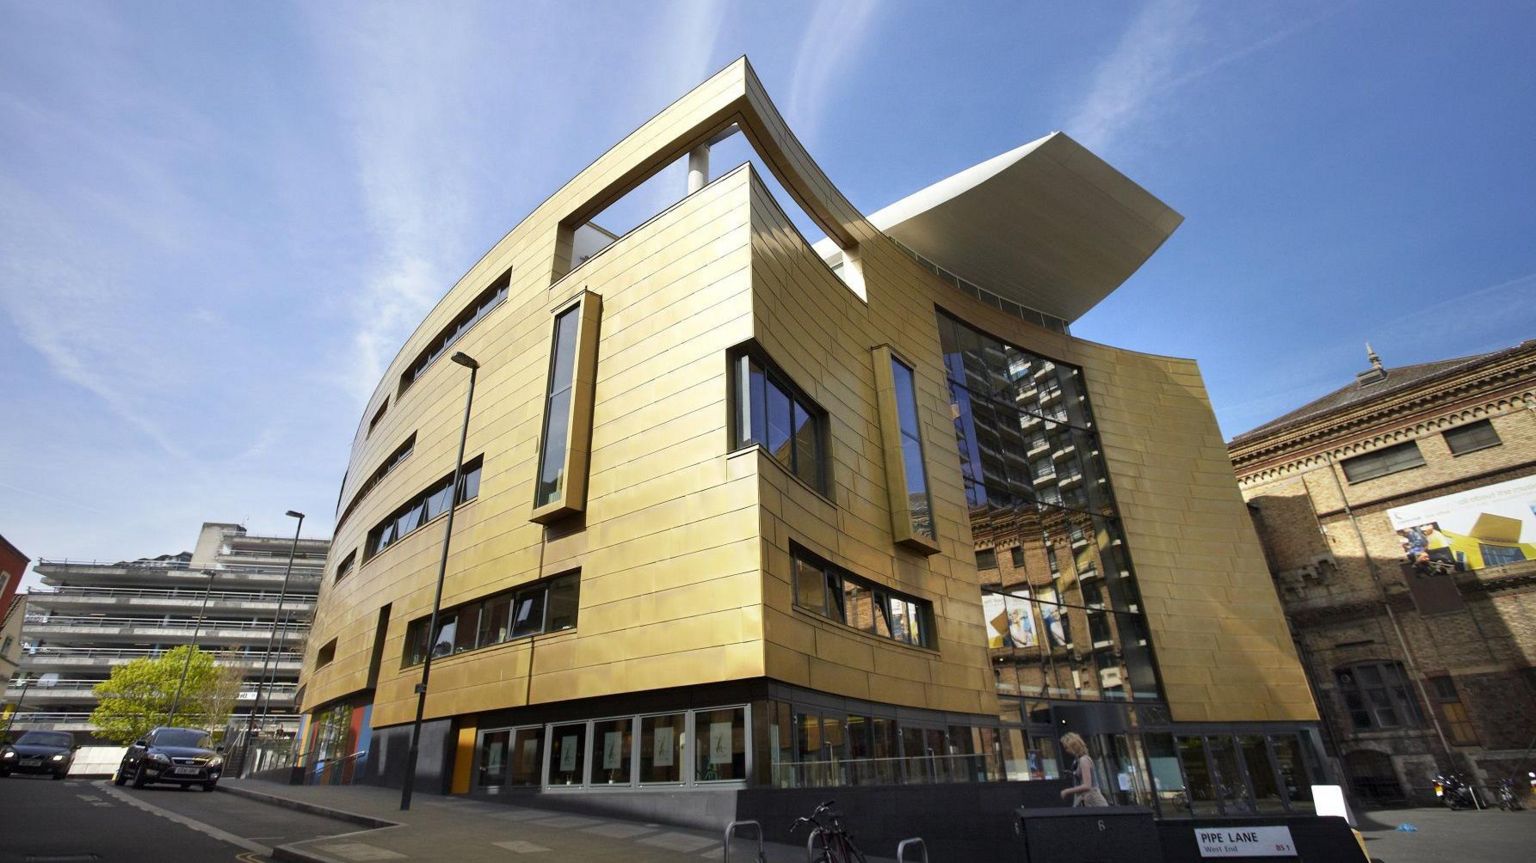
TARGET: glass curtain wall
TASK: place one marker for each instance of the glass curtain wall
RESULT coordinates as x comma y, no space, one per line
1063,613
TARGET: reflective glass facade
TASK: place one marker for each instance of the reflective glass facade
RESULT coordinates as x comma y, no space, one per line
1063,615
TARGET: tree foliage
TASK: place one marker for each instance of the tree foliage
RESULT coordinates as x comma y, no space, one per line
138,696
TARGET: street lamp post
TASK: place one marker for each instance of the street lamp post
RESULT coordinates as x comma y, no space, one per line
26,684
266,662
468,362
191,648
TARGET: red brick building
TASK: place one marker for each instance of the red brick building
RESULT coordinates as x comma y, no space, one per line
1398,514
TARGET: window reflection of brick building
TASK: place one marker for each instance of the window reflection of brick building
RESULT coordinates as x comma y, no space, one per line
1398,514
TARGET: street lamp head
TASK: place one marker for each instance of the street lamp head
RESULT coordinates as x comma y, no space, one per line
465,360
295,514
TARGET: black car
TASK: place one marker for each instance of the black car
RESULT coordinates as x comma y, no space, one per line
178,756
48,752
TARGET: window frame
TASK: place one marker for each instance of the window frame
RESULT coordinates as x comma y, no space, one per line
346,567
744,412
1396,689
1471,429
396,456
489,298
419,502
1371,462
835,581
575,444
421,641
896,429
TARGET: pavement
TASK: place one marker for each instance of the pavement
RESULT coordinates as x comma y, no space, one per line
478,831
1465,836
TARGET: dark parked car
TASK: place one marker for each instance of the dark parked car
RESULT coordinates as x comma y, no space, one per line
39,752
179,756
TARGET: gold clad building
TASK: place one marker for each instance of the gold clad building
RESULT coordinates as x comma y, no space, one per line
744,512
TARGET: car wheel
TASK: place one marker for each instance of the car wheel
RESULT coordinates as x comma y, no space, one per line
209,786
120,776
138,776
4,773
60,775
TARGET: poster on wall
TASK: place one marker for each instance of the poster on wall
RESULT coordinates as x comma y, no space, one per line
1021,622
1057,628
661,753
568,747
719,743
1010,620
612,747
995,611
1487,526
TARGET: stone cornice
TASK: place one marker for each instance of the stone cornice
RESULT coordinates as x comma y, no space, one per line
1476,394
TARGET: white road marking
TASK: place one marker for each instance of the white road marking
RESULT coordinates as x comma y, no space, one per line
520,846
205,829
359,851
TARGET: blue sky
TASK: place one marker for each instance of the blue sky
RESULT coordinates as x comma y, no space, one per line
219,221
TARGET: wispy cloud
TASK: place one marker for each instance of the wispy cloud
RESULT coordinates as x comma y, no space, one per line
399,76
1141,64
1165,48
830,47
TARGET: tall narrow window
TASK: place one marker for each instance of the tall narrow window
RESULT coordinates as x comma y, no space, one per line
905,468
566,438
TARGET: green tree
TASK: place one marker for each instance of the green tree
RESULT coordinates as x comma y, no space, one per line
138,695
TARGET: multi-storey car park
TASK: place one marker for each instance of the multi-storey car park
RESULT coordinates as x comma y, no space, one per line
743,515
91,617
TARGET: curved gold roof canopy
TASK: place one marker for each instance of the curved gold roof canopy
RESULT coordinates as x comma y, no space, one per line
1048,225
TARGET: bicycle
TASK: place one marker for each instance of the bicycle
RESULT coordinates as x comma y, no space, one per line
827,832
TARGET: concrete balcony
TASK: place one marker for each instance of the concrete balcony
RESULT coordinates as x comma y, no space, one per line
82,693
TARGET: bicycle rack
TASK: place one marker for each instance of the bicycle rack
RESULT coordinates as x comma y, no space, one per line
901,850
730,834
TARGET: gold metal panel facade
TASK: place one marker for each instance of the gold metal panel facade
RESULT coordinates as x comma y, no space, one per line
684,546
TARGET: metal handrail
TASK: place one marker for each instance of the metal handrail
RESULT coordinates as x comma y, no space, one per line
167,593
136,652
919,844
116,564
148,622
730,834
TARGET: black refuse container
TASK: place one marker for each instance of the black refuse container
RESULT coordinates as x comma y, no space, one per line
1104,834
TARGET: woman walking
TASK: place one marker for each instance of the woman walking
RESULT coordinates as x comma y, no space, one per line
1086,792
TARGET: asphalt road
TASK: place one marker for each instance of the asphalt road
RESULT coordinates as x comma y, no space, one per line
73,821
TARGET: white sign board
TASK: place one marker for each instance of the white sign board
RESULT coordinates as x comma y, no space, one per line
1245,842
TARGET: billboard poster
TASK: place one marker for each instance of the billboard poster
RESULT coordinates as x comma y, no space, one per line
1010,620
1487,526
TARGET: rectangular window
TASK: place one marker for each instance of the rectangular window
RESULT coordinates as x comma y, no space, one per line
344,568
612,741
1458,723
488,299
662,743
986,558
1471,437
422,508
400,454
1017,555
1381,462
377,416
1377,697
566,435
834,593
546,606
326,655
773,413
905,468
